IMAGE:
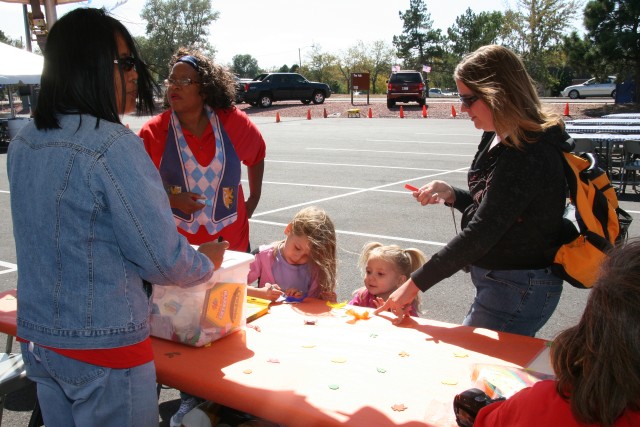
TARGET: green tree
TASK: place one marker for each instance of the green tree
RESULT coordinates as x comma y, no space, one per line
172,24
319,67
245,66
419,43
470,31
614,29
536,31
8,40
380,56
284,69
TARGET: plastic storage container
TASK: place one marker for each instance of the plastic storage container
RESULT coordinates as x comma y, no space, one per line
199,315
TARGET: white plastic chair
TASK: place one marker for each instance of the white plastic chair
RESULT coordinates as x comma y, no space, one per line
630,163
13,375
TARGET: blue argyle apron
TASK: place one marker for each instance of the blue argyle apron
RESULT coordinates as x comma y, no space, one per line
218,181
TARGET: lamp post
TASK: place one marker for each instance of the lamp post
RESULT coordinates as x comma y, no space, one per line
299,55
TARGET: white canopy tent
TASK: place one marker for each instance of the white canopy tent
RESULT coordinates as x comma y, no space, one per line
19,67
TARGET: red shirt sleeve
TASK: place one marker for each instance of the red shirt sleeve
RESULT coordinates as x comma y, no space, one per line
244,134
154,135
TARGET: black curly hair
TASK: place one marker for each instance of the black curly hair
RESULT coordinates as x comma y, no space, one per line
217,84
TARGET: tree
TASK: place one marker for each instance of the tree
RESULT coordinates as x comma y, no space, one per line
381,58
172,24
419,42
319,65
536,33
245,66
613,26
285,69
470,31
8,40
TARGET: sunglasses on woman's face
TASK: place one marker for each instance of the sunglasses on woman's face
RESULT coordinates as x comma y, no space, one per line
127,63
468,100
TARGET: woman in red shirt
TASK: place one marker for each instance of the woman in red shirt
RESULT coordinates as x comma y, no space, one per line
199,145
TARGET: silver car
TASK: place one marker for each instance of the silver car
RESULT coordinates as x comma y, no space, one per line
592,87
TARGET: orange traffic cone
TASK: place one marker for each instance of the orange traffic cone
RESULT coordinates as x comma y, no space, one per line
325,113
424,111
370,115
401,112
309,114
277,117
453,112
566,109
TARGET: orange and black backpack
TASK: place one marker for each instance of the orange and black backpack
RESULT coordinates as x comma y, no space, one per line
593,221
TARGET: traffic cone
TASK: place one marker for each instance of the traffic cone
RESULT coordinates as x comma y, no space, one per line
453,112
277,117
370,115
401,112
325,113
424,111
309,114
566,109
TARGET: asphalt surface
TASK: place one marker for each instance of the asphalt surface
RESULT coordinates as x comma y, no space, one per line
356,171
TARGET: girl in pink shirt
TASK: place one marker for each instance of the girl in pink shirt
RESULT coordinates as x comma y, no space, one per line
302,265
385,268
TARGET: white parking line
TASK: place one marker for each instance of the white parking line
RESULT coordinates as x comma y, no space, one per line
10,268
355,233
422,142
362,166
364,190
391,151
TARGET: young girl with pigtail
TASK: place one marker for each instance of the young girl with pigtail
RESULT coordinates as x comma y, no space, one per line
384,269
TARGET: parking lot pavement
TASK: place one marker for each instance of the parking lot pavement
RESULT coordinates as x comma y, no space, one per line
356,170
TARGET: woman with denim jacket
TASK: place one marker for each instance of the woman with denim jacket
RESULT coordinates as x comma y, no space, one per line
512,211
93,228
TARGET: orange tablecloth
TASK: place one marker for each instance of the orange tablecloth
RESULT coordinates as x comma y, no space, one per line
337,371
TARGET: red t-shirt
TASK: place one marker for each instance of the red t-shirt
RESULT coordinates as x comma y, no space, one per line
250,149
128,356
537,406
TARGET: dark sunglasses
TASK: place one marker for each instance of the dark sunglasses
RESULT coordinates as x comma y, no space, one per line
127,63
468,100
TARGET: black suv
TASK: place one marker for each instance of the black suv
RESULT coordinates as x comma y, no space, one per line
406,86
282,87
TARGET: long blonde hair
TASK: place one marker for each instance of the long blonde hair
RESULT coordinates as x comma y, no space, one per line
406,261
498,76
313,223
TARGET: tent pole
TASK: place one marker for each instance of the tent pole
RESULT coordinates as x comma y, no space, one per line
12,107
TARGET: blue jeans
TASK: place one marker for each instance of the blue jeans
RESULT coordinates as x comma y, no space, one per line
516,301
73,393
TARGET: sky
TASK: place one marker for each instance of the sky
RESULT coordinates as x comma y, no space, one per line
277,32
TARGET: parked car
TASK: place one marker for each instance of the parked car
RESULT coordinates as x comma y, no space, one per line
282,87
592,87
240,82
435,92
406,86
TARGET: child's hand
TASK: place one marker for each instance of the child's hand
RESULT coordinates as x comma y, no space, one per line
329,296
269,292
293,292
272,291
378,302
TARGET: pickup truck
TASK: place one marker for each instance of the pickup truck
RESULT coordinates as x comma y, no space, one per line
283,87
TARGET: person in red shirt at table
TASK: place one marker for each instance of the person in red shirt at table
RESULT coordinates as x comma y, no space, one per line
198,145
596,362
